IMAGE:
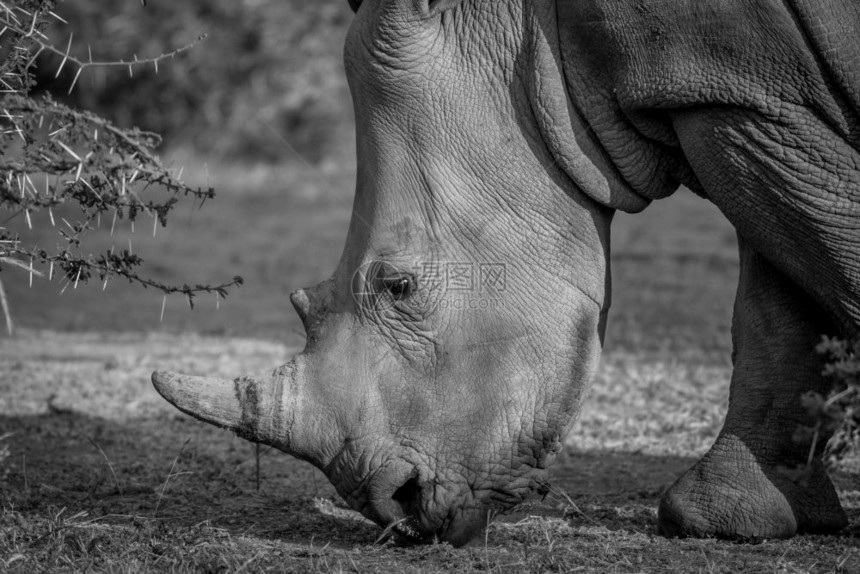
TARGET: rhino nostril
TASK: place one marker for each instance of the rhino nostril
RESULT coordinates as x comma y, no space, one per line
408,496
409,528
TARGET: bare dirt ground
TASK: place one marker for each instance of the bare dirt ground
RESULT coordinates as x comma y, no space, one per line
100,474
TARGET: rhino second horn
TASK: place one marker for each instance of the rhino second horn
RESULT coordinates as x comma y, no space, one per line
302,305
255,411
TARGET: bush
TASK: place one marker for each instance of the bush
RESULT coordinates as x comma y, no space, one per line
52,154
839,412
248,86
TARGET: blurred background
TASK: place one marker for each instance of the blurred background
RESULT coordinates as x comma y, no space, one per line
260,110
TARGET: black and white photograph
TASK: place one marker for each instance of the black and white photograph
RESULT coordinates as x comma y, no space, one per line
430,286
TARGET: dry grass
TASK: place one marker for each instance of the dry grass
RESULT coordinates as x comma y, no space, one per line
78,543
654,405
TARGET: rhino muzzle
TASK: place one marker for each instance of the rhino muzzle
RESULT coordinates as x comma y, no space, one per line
277,413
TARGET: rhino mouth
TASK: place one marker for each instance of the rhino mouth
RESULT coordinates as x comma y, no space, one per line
406,532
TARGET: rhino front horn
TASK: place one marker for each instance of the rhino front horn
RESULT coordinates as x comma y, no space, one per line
261,412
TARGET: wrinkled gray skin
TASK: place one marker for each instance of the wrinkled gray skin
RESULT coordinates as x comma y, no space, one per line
507,133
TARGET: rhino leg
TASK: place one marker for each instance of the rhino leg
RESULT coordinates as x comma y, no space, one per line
740,488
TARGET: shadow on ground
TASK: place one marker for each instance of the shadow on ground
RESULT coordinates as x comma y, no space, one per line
186,472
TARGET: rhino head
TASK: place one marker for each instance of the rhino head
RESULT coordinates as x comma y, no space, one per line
447,354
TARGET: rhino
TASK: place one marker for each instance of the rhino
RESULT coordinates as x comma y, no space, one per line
449,352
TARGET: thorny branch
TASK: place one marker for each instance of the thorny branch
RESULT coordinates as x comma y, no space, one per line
19,26
51,154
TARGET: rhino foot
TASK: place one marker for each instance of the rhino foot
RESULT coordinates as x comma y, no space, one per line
732,494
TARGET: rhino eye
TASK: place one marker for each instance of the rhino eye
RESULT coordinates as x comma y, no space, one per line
400,286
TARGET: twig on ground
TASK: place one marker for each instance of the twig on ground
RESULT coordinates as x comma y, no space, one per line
110,466
169,476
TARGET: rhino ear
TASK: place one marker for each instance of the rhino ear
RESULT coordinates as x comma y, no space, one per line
354,4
